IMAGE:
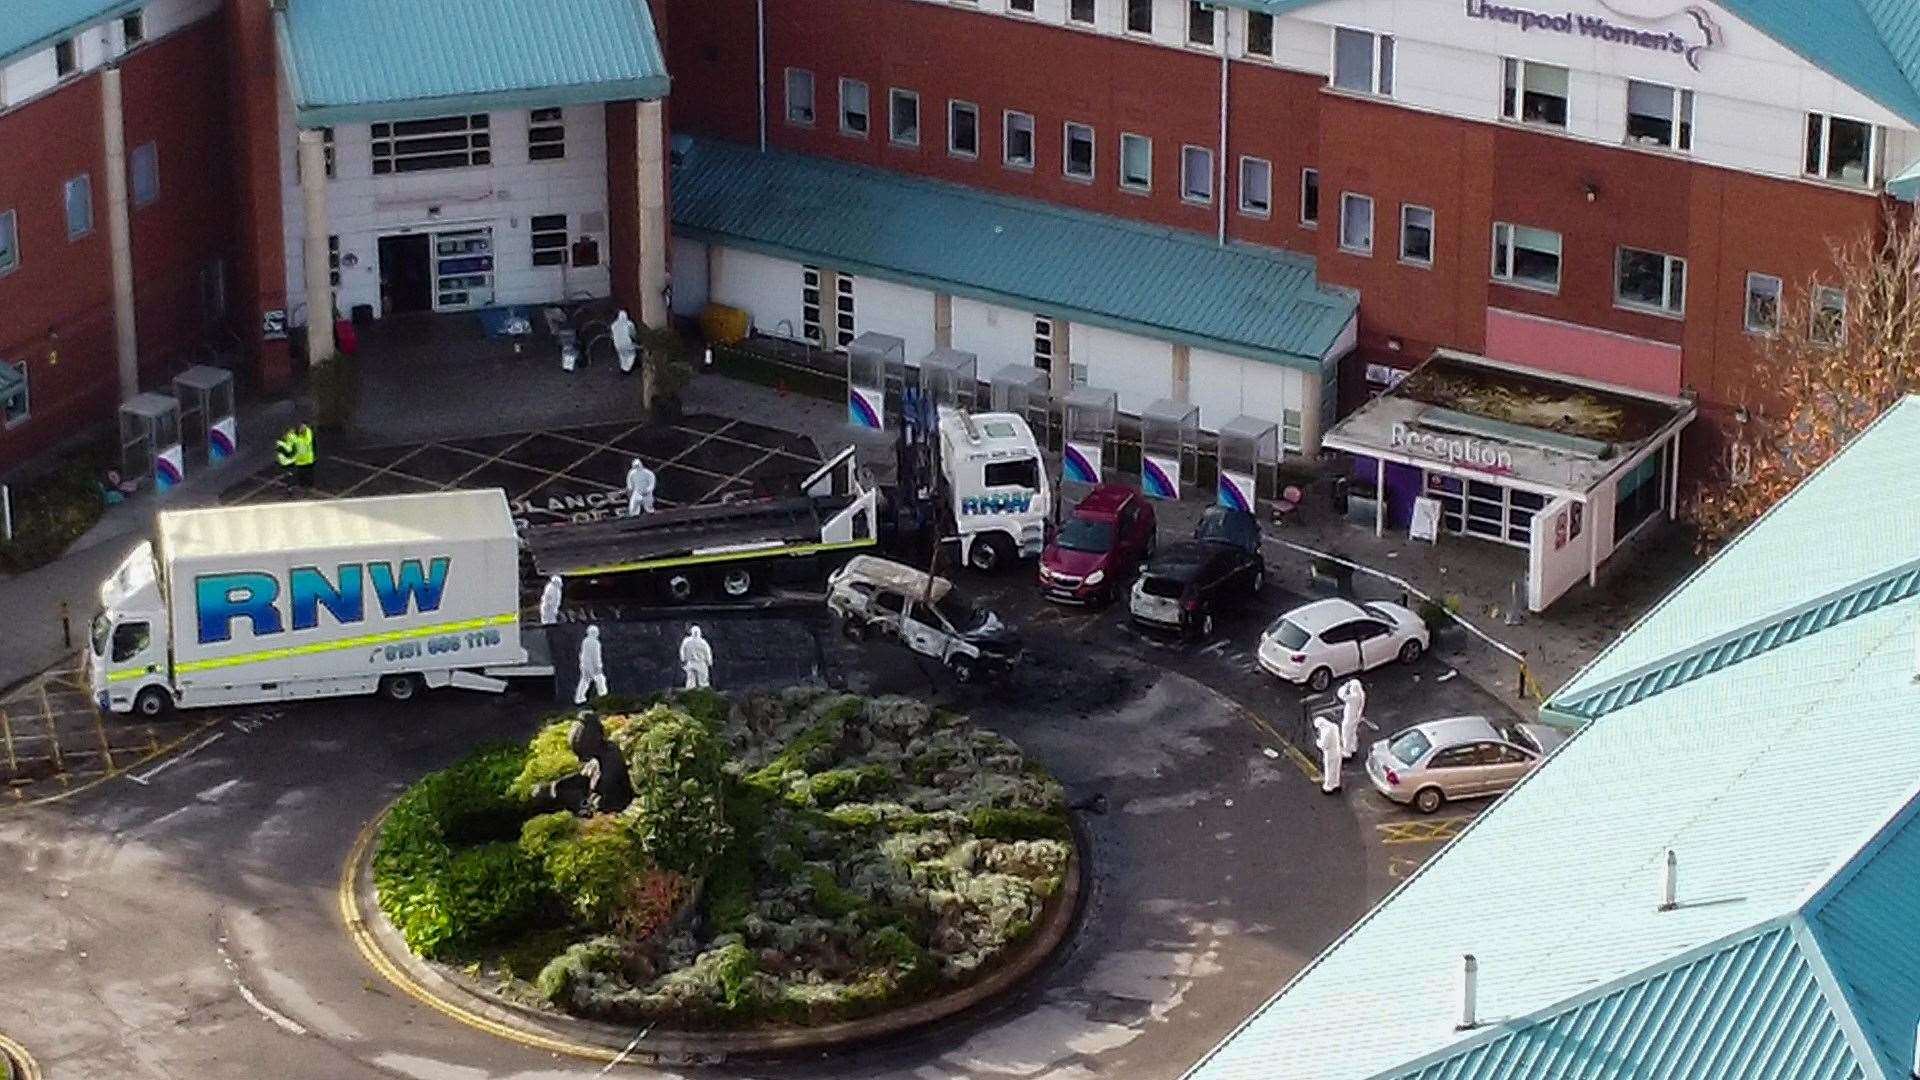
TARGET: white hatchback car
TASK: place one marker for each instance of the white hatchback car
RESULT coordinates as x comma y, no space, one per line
1314,644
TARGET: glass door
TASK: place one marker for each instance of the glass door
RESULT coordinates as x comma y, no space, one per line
1488,511
462,269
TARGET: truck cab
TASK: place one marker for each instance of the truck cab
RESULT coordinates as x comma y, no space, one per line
127,644
998,483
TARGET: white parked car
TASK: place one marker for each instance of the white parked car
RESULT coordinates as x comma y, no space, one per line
1317,643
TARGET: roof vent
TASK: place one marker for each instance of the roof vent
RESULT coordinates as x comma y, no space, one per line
1669,881
1469,993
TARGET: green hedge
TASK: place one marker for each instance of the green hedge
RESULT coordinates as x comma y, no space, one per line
994,824
589,864
675,765
443,895
51,513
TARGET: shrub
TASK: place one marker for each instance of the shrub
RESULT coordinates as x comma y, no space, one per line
998,824
548,759
908,965
675,765
572,968
648,903
491,891
730,880
49,514
709,707
589,867
836,786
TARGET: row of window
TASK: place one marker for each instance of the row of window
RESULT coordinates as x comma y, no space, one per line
449,142
76,198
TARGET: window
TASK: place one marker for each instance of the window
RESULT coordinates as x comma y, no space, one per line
1256,186
1649,279
144,164
800,97
1356,223
853,107
1043,343
1363,61
1290,428
549,239
1200,23
1829,325
810,304
1534,93
963,129
1310,198
1659,115
66,60
1524,256
1140,16
903,117
1022,473
1017,151
133,28
333,261
15,408
1260,34
1642,493
1080,11
1136,162
326,149
1839,149
446,142
9,241
1079,159
1196,174
1022,7
1763,304
546,135
130,639
79,201
1416,235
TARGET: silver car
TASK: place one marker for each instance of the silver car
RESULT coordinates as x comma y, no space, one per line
1462,757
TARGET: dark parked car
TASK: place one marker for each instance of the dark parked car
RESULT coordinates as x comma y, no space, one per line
1187,582
1107,536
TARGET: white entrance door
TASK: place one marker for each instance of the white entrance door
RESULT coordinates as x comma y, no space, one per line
463,269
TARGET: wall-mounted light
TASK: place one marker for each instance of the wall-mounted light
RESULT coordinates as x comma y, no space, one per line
349,260
1393,343
1593,192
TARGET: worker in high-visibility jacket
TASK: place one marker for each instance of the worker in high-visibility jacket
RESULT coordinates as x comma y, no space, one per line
303,455
286,454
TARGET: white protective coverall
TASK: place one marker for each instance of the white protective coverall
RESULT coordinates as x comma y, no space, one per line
624,344
1353,707
696,656
550,602
592,672
640,484
1326,735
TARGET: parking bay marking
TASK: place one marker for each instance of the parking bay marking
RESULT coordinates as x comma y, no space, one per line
1423,831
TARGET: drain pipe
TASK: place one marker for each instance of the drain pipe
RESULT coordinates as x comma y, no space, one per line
126,348
760,54
1220,183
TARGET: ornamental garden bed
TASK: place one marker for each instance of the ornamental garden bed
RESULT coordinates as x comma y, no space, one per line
793,859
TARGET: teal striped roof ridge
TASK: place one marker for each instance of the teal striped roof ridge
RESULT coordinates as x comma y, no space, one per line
355,61
1717,654
1259,303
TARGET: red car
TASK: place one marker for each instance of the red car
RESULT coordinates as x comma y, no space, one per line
1095,553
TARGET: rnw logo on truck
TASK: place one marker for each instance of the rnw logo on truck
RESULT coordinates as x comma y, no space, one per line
1017,502
219,599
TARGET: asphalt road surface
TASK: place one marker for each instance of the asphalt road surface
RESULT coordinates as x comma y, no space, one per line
189,926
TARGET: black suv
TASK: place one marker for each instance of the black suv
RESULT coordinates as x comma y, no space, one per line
1188,581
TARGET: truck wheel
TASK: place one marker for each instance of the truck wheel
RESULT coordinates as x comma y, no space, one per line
736,583
677,586
990,553
152,703
400,688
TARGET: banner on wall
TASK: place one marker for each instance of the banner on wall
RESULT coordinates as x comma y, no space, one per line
169,468
1236,490
866,408
1081,463
220,440
1160,475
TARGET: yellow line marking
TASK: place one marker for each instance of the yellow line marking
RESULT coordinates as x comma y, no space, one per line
25,1068
159,750
723,556
360,642
1287,749
1423,831
377,959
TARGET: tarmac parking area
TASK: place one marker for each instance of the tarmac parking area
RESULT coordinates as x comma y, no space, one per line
561,474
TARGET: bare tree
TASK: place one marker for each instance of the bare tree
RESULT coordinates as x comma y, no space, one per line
1845,349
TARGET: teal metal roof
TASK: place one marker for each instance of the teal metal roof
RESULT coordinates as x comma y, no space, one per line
32,25
1862,526
353,61
1786,785
1172,285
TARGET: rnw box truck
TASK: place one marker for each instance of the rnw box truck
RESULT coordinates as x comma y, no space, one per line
305,600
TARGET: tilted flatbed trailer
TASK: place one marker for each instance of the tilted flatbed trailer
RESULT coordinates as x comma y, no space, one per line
724,551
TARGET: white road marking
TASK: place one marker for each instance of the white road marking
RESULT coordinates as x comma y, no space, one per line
177,758
280,1020
214,793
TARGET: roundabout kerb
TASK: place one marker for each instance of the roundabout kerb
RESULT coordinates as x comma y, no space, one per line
15,1057
384,950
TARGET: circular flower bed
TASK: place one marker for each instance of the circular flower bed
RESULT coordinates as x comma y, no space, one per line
788,859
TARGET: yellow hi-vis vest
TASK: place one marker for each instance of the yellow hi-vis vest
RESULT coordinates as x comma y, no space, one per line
286,452
303,446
